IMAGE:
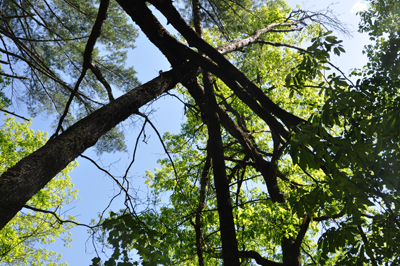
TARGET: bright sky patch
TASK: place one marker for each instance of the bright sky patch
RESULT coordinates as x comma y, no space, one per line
361,5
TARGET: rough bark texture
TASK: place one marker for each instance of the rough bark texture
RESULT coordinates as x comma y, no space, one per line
32,173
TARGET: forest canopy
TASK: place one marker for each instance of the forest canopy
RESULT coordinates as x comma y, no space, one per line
281,160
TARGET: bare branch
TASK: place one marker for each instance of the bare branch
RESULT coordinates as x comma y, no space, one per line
107,172
11,17
59,220
169,157
12,76
240,44
281,44
11,113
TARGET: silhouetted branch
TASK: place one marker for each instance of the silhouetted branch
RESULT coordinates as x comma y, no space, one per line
11,113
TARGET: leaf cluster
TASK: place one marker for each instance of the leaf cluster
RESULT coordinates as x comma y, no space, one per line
19,239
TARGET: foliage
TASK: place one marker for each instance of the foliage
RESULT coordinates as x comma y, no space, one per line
358,145
309,159
126,233
4,101
20,237
383,53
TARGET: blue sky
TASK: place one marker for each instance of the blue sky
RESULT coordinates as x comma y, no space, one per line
96,189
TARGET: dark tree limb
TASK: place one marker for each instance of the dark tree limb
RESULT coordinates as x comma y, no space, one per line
176,52
204,179
96,71
268,171
216,151
173,49
366,245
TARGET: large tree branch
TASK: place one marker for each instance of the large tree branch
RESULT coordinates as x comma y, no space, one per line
254,38
204,179
291,248
206,169
19,183
216,151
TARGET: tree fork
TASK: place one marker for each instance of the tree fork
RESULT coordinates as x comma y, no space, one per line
194,40
176,52
267,169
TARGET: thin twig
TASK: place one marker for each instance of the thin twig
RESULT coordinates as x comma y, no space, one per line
169,156
59,220
127,196
12,76
11,113
87,55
